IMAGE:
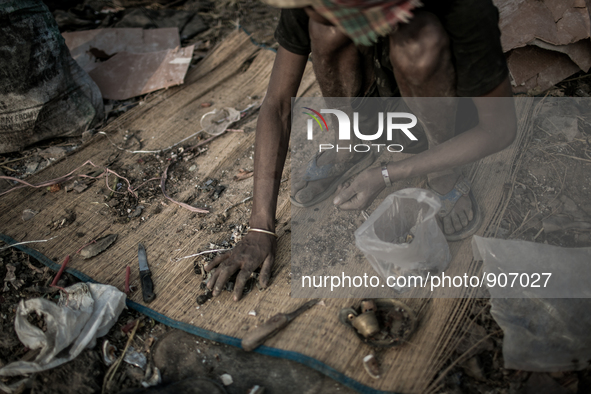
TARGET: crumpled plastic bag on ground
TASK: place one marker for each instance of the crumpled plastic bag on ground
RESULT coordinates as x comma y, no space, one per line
407,214
541,334
85,313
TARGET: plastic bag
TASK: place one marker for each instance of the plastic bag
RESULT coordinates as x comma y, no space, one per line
43,92
401,236
541,334
217,121
87,311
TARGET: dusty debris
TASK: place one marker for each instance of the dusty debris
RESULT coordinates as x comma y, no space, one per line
218,120
99,246
11,278
109,356
564,222
203,298
226,379
28,214
243,174
371,365
153,377
473,368
135,358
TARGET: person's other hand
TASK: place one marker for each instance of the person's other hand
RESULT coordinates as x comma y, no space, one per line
360,192
252,251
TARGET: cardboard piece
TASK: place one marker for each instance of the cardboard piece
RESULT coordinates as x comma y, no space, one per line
557,28
128,74
128,62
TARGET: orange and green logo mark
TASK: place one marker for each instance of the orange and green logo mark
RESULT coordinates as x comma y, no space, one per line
315,116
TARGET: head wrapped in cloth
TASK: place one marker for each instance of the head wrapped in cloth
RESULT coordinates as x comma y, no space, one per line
364,21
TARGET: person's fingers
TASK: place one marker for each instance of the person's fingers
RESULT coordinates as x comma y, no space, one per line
463,218
241,280
344,195
266,270
226,272
213,279
447,225
455,218
215,262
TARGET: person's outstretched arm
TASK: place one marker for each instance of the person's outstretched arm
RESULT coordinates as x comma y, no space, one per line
271,144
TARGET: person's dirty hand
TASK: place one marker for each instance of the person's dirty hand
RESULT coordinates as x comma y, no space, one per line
252,251
360,192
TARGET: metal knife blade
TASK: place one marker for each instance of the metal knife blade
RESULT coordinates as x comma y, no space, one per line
142,258
145,275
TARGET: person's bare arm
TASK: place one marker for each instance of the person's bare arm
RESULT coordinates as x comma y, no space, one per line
495,131
271,144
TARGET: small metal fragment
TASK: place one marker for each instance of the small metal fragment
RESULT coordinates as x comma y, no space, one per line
371,365
135,358
98,247
109,353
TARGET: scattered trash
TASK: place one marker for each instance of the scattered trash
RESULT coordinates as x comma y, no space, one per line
28,214
135,358
153,377
257,336
99,246
109,356
54,188
76,185
137,212
473,368
217,121
218,192
85,311
226,379
11,278
203,298
243,174
396,322
145,275
371,365
256,389
252,313
401,237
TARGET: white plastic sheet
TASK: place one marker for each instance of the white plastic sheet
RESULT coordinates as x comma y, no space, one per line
86,312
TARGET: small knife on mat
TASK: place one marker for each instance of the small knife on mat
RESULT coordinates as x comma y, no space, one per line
145,275
256,337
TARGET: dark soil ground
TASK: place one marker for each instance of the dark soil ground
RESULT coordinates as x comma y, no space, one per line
554,178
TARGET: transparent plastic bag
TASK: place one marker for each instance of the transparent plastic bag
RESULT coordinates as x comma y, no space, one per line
401,237
546,324
217,121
